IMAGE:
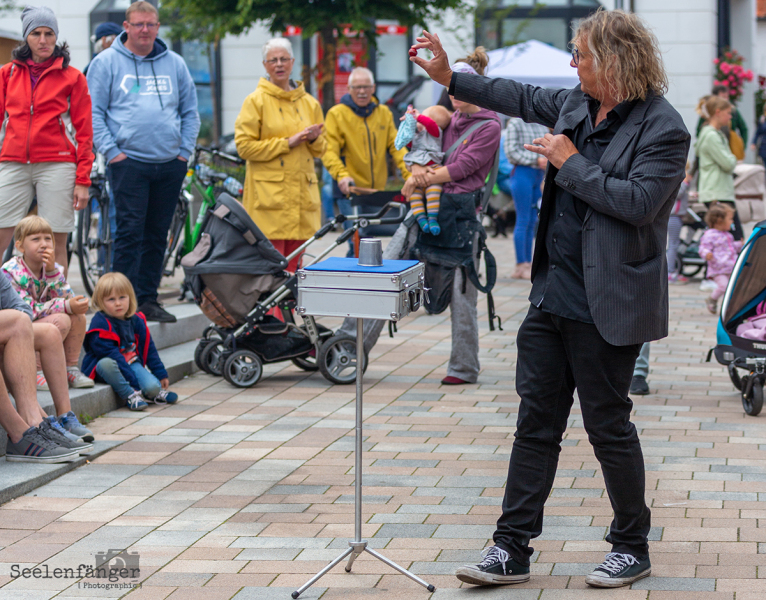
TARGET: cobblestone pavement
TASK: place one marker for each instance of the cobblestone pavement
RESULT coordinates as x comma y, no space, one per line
248,493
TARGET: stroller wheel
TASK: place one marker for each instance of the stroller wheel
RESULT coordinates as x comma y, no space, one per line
690,270
337,359
752,395
307,362
212,357
243,368
734,376
201,345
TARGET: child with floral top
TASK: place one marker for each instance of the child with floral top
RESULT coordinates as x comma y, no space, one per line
718,248
42,284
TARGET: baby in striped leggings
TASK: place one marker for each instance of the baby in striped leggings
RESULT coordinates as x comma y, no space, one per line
422,134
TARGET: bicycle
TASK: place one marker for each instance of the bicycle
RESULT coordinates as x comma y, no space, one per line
208,183
93,239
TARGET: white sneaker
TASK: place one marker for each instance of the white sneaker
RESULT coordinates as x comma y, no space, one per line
77,378
42,383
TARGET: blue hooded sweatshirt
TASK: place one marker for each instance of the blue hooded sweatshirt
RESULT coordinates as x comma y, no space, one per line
144,106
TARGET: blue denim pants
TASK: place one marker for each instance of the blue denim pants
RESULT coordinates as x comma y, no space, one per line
525,188
109,371
145,198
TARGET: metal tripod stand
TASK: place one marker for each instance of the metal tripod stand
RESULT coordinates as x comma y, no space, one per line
359,545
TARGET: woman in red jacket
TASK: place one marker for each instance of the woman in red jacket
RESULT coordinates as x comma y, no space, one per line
46,140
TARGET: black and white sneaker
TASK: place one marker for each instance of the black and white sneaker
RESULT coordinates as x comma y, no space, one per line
496,568
618,570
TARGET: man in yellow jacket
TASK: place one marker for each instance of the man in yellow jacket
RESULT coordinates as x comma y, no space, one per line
359,132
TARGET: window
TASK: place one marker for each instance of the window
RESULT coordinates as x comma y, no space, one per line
503,23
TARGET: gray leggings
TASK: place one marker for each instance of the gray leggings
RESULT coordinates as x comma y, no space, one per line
464,357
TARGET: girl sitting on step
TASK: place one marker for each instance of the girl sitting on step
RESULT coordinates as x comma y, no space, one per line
119,349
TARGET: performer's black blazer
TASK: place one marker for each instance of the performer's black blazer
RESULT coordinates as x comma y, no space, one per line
630,194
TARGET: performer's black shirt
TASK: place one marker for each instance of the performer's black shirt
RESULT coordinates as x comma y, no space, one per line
559,285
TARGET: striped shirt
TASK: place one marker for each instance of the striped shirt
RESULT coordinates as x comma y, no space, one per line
518,133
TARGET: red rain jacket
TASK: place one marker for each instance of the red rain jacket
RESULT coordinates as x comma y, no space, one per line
51,124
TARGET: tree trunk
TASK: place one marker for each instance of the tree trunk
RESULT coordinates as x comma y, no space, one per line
216,133
326,81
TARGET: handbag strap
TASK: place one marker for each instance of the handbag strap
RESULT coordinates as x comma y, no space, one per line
463,137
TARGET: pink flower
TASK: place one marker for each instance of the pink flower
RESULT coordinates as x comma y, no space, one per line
716,61
725,68
749,75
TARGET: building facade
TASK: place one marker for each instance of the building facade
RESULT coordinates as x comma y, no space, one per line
691,34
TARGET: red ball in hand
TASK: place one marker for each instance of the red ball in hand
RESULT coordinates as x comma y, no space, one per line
413,52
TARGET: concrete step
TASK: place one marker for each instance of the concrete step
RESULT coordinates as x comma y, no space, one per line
95,401
190,325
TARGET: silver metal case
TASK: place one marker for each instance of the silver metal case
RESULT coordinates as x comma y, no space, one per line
386,296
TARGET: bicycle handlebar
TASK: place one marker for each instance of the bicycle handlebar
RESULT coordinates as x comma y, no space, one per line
219,153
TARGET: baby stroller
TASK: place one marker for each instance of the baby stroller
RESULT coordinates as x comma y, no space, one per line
749,191
690,263
237,277
741,309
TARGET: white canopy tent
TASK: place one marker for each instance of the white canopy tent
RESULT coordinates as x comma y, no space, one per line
534,63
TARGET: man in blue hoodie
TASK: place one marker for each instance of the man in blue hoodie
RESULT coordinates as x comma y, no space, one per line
145,123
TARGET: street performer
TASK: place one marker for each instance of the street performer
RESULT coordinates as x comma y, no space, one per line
599,277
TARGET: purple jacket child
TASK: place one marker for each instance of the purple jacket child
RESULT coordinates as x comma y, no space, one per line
724,249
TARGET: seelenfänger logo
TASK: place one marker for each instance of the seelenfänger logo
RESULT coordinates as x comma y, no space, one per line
113,569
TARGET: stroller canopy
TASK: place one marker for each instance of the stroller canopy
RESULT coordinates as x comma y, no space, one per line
232,243
747,285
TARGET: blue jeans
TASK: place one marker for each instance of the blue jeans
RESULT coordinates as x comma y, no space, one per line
325,192
109,371
525,189
145,197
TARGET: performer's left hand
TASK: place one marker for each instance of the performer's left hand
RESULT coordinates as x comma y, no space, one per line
556,148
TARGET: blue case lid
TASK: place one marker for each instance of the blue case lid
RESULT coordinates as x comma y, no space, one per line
350,265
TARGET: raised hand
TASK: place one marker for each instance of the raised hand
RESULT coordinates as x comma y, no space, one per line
556,148
438,67
78,305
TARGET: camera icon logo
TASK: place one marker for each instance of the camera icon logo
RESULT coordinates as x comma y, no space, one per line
115,563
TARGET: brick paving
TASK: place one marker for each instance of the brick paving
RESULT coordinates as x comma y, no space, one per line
247,493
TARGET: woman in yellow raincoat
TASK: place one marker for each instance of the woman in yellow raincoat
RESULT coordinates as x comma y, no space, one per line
279,133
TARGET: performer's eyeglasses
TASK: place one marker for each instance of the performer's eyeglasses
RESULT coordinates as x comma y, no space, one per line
575,55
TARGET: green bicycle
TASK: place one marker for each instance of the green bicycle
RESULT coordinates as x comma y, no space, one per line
205,181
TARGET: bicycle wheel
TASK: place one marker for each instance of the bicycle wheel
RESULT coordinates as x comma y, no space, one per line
174,237
92,222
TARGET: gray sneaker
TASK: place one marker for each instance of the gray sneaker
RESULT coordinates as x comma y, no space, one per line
53,430
36,448
70,422
496,568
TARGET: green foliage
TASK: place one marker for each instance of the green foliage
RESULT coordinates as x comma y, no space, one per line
85,418
209,20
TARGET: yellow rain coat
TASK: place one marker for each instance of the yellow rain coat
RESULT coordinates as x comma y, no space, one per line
356,145
281,190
